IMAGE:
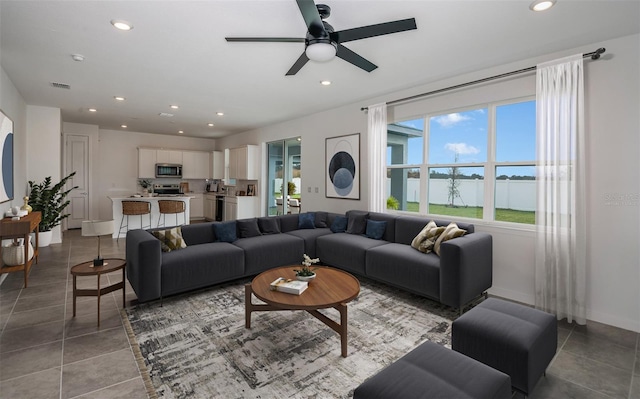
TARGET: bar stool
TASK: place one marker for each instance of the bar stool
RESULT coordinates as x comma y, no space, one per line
134,208
171,207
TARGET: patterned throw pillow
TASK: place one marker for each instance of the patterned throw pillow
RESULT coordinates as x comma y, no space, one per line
170,239
426,239
452,231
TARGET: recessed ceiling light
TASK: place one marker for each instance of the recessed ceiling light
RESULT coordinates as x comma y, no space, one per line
210,124
120,24
123,126
93,110
174,106
119,98
220,113
77,57
325,82
180,131
541,5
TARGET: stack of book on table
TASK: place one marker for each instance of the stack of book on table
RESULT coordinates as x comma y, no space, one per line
289,286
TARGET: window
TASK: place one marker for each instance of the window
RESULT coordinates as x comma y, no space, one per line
477,163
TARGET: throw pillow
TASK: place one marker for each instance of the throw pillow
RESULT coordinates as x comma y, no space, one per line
269,226
307,220
357,222
339,224
375,229
321,219
426,239
248,228
226,231
452,231
170,239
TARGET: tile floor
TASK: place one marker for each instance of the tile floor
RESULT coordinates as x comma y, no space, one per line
46,353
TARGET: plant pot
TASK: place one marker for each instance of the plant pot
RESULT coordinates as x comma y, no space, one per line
306,278
44,238
13,255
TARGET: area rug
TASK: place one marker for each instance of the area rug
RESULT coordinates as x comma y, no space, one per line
196,344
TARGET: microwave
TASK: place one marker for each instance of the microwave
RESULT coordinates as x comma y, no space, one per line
168,170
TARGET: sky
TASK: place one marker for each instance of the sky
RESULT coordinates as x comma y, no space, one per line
465,133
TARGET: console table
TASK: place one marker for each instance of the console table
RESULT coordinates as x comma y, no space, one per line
21,229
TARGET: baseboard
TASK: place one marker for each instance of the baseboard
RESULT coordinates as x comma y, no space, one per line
512,295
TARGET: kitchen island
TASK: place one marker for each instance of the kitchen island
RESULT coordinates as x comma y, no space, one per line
134,221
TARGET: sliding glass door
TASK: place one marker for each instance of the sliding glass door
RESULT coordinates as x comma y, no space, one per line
283,176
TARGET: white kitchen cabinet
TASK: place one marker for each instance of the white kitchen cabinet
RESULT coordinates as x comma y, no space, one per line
197,206
230,208
195,165
169,156
243,163
217,165
146,163
241,207
210,207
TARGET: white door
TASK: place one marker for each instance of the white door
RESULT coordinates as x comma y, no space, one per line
77,154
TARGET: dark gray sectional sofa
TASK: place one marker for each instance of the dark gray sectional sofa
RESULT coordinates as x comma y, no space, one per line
460,274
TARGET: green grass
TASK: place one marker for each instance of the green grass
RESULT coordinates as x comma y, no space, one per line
503,215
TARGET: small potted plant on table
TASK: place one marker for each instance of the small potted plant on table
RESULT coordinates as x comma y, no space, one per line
306,273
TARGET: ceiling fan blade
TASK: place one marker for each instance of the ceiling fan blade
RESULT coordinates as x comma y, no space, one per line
298,64
355,59
312,18
364,32
266,39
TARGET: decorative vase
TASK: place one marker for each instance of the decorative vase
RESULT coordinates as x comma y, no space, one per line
26,206
13,255
306,278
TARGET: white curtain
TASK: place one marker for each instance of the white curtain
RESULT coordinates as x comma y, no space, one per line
377,145
560,254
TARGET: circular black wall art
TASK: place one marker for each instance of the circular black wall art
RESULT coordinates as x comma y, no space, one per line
342,170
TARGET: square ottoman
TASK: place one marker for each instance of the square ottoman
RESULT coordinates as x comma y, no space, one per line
433,371
515,339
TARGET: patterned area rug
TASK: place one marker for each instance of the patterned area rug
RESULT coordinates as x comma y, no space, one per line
196,345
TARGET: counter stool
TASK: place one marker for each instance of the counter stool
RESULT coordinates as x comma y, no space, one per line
171,207
134,208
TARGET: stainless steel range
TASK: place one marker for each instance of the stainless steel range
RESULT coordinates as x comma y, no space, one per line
166,190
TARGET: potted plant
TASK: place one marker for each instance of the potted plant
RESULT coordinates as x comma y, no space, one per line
145,184
306,273
50,201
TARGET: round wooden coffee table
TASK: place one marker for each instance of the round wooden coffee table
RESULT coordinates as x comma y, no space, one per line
332,288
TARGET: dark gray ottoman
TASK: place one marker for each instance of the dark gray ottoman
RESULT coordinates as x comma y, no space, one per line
515,339
433,371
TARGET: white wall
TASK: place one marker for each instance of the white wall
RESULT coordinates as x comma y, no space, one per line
612,126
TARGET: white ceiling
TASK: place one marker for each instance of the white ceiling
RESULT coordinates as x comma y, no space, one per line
177,54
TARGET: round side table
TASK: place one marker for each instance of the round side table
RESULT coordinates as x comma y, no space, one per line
87,269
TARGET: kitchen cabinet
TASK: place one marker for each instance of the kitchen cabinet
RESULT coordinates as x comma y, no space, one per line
169,156
217,165
195,165
197,206
243,163
230,208
147,163
241,207
210,207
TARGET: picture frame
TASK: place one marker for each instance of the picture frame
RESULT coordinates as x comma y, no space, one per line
342,167
251,190
6,148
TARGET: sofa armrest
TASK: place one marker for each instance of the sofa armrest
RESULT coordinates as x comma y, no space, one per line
466,268
144,260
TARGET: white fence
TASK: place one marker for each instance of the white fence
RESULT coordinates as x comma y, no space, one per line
510,194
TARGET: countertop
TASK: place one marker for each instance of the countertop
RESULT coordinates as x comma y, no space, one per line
157,198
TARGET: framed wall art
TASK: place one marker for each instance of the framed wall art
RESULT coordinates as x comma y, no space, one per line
343,167
6,143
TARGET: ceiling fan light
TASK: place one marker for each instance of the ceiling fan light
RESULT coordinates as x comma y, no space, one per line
321,52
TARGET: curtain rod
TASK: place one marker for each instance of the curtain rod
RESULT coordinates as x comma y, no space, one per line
594,56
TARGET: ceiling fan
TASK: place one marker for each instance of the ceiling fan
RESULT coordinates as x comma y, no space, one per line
322,43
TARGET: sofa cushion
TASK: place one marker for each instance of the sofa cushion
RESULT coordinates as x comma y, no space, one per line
321,219
226,231
248,228
307,220
375,229
198,233
357,222
452,231
309,236
170,239
339,224
402,266
390,230
346,251
269,225
426,239
269,251
288,222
